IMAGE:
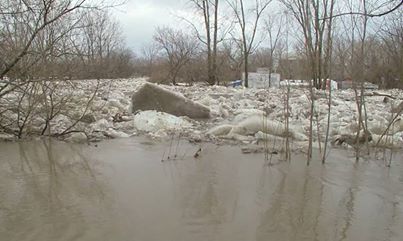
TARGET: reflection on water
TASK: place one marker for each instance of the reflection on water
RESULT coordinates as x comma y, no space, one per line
48,192
122,191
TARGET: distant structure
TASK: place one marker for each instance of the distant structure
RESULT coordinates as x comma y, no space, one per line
305,84
294,83
262,79
348,83
331,84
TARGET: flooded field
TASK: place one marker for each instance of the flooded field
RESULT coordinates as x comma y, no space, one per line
121,190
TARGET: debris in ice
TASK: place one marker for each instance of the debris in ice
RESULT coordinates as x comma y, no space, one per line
88,118
122,117
351,139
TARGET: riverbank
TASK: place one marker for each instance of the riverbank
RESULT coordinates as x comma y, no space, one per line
98,110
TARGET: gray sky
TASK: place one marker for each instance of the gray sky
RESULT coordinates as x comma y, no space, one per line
139,18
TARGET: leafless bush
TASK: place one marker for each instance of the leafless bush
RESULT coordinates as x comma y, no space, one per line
35,108
44,45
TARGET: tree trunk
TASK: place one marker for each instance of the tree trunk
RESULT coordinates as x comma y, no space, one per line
214,64
246,69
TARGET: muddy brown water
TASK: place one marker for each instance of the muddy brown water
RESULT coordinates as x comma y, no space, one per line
122,191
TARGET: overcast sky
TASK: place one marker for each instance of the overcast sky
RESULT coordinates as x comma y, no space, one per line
139,18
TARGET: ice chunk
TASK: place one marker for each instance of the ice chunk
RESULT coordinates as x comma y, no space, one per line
255,124
101,125
111,133
77,137
154,97
153,121
220,130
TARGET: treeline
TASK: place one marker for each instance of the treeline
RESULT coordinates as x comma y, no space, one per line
300,39
45,45
59,39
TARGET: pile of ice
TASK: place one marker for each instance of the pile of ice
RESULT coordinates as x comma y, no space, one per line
236,114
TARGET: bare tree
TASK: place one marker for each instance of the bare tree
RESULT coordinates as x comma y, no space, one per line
42,45
178,48
316,22
242,19
314,18
391,6
209,9
26,21
38,15
101,39
273,26
232,55
150,55
391,35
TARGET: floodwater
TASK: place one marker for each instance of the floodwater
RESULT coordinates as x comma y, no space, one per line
122,191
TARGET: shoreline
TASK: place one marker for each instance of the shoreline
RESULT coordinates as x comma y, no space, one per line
236,114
